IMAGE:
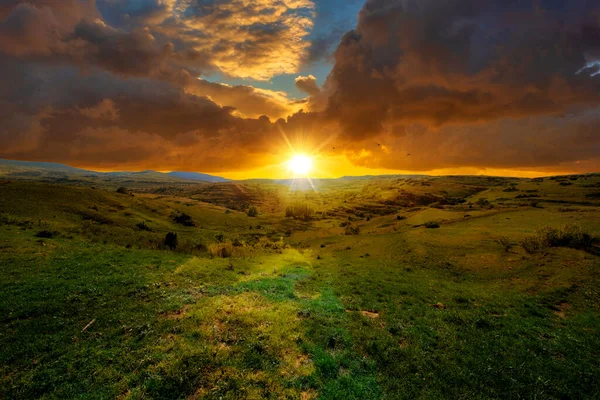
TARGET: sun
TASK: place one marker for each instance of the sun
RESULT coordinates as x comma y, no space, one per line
300,165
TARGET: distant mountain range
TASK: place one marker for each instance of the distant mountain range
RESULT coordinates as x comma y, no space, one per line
196,176
33,170
13,169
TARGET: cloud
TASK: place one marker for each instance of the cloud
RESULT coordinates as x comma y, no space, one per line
248,101
529,143
106,121
72,32
244,38
462,62
308,84
459,83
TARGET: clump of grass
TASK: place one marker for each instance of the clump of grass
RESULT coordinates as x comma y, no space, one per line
222,250
483,202
143,227
351,230
45,234
299,211
505,243
571,236
252,211
183,219
265,244
432,224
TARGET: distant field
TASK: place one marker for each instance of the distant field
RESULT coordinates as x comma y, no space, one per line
382,288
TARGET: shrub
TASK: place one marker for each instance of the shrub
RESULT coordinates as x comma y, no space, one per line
45,234
299,211
122,190
183,219
267,244
351,230
252,211
505,242
432,224
171,240
143,227
571,236
400,217
483,202
221,250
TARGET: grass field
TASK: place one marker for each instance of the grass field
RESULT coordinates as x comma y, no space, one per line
431,295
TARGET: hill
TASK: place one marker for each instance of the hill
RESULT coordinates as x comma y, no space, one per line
195,176
427,287
60,173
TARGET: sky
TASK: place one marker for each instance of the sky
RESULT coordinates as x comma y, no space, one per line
237,87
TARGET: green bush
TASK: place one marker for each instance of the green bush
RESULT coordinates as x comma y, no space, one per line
432,224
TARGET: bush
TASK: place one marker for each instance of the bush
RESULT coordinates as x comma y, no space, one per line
483,202
122,190
183,219
400,217
252,211
221,250
300,211
171,240
571,236
505,242
351,230
432,224
143,227
45,234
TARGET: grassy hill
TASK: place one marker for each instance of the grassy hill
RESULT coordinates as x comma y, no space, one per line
404,288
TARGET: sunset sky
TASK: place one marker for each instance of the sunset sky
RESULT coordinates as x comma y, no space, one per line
234,87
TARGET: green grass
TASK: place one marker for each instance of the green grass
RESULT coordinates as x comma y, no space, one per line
398,311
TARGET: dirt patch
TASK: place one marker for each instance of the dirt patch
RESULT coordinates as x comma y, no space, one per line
439,306
308,395
179,314
561,310
368,314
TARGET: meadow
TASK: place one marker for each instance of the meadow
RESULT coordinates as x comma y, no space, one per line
375,288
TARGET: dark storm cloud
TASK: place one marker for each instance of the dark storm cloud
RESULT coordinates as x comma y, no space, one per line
463,61
104,118
72,32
